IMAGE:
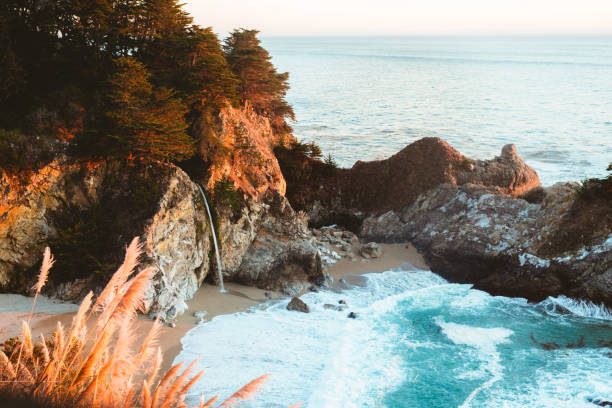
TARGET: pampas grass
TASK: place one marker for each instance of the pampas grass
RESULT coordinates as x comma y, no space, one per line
102,368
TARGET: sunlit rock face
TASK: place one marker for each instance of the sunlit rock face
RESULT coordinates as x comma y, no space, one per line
117,200
249,162
507,245
265,243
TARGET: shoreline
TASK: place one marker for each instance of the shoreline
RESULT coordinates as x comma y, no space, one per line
208,298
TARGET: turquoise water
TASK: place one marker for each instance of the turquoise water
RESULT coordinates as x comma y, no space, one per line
418,341
366,98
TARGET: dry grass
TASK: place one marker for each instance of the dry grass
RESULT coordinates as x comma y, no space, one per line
101,367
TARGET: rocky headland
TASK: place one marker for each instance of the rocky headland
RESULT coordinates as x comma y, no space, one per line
489,223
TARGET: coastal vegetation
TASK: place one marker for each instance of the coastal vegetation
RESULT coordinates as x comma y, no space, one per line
597,188
96,363
123,78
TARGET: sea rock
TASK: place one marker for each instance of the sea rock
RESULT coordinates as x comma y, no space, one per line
506,245
371,250
298,305
352,315
329,306
374,188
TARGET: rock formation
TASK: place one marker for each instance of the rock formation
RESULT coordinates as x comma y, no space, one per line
116,200
89,212
298,305
505,245
486,222
373,188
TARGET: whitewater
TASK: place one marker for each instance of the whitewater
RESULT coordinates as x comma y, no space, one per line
418,341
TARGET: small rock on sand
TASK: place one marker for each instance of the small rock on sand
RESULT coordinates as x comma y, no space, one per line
371,250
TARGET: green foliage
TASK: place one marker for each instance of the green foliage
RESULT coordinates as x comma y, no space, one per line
596,188
145,79
88,238
148,121
260,84
82,243
301,162
12,149
330,162
226,195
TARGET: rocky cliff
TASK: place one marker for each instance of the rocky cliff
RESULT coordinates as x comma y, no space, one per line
89,212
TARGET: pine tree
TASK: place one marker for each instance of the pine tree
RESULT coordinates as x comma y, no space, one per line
260,84
147,121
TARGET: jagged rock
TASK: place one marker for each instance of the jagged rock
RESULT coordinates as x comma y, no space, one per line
298,305
252,165
352,315
506,245
371,250
283,255
267,244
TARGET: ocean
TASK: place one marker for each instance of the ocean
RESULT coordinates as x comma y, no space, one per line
420,341
366,98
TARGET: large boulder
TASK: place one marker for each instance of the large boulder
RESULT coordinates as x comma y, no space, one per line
92,211
284,255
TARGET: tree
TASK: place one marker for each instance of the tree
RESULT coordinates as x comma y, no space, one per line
147,121
260,84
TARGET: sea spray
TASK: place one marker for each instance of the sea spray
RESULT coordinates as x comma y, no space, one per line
214,235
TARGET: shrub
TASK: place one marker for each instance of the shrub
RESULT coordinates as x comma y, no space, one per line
100,367
226,195
596,188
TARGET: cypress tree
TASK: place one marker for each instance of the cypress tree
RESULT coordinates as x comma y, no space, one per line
147,121
260,84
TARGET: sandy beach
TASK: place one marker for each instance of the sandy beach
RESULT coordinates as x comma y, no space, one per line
15,308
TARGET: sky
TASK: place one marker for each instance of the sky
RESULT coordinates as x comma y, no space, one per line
424,17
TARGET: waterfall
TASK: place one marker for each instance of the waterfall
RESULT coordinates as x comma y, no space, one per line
214,234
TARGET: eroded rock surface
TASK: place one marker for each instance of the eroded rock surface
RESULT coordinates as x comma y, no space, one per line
282,253
117,201
266,244
504,245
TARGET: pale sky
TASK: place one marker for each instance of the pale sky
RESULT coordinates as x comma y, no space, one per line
427,17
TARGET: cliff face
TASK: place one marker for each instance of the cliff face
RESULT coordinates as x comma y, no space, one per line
249,163
92,211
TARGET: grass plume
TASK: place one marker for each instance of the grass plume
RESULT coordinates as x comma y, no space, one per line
101,367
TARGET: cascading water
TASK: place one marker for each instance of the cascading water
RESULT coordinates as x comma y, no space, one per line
214,234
